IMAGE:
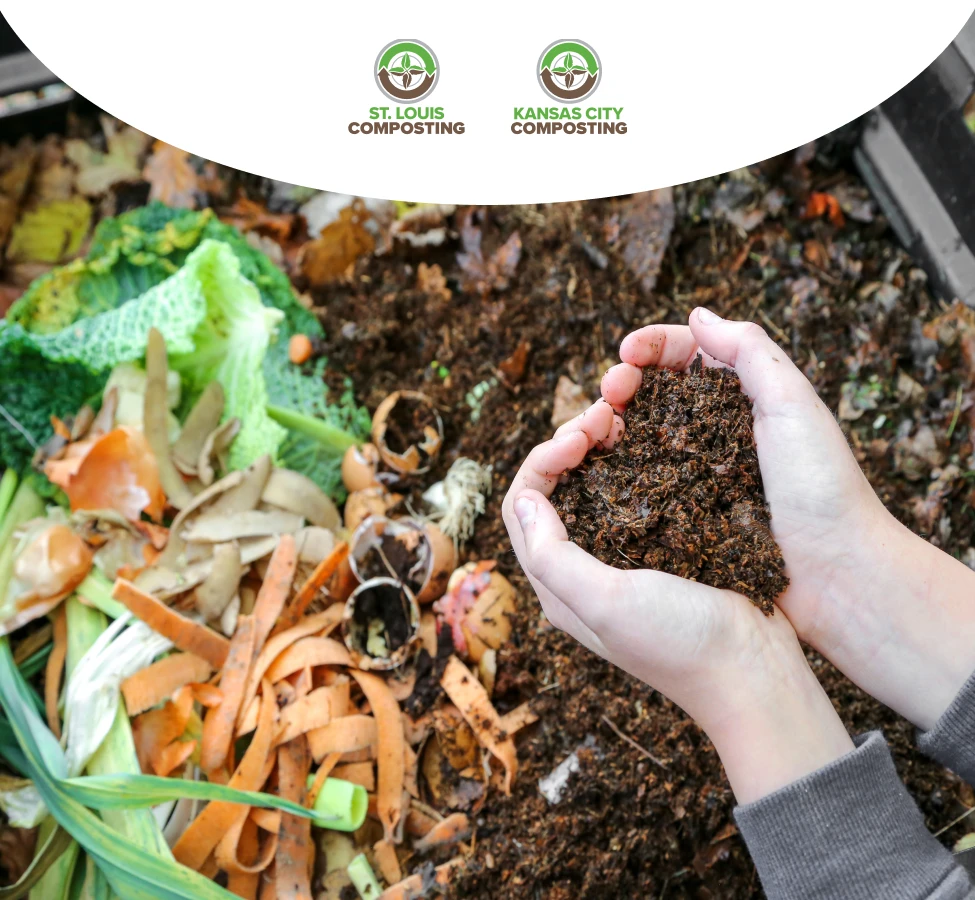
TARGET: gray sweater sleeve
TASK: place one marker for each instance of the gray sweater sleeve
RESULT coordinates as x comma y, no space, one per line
850,831
952,740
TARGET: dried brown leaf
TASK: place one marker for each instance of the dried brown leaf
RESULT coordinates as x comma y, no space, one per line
335,250
570,400
646,223
173,180
480,275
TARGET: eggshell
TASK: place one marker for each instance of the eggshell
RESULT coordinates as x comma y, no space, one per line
359,468
415,459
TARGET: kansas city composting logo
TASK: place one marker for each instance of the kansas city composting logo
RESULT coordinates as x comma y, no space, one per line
569,71
407,71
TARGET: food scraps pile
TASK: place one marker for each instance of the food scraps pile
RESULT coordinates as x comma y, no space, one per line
260,694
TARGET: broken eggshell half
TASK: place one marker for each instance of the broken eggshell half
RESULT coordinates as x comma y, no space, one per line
360,465
408,432
379,624
372,501
419,555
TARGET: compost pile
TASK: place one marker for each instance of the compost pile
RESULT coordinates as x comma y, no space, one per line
682,491
505,320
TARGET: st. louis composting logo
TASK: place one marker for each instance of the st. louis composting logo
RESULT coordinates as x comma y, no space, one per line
406,71
569,71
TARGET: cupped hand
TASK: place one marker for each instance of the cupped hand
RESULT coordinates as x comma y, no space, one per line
884,606
741,676
823,509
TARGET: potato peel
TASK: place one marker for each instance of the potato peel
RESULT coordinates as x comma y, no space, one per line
469,696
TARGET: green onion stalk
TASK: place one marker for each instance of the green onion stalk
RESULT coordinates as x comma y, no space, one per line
116,755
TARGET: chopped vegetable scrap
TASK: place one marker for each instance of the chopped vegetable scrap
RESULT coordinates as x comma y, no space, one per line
258,644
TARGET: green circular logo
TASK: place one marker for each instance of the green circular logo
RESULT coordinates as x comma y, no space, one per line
407,71
569,71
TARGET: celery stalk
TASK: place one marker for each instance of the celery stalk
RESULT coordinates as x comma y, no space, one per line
116,755
336,439
97,590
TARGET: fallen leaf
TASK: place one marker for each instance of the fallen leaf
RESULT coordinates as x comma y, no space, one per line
646,221
956,326
431,281
173,180
16,167
480,275
908,390
97,171
52,233
915,456
815,253
857,399
708,856
247,215
335,250
928,509
570,400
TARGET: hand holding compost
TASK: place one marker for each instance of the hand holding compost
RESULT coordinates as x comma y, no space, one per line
681,491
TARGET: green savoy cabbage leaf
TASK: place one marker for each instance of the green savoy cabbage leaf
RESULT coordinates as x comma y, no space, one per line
129,255
228,345
215,326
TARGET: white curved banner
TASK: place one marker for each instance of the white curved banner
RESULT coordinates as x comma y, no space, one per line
510,102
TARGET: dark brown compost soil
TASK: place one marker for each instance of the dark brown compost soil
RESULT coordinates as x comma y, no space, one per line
682,491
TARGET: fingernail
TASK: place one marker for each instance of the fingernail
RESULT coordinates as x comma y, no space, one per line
706,317
525,510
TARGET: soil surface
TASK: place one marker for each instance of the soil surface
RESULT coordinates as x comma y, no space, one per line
847,303
682,491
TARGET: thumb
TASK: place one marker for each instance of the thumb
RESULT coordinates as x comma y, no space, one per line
767,374
560,567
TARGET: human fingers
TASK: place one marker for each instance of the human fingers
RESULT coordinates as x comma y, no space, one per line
766,372
665,346
546,463
596,422
620,383
560,569
615,433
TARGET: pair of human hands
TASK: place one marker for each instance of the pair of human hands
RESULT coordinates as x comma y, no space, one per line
888,609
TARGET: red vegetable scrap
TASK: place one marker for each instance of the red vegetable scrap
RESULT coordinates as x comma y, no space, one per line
821,204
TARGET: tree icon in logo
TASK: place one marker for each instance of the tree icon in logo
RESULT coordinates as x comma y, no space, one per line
569,71
406,71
